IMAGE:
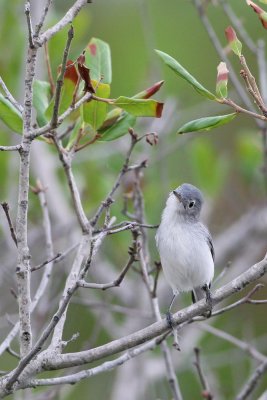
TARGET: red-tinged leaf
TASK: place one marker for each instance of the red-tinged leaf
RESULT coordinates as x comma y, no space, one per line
68,88
98,59
71,72
139,107
206,123
233,41
222,80
261,13
146,94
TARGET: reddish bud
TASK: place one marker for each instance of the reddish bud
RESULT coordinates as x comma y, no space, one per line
222,80
261,13
233,41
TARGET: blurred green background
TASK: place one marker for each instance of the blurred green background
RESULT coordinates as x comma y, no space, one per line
225,163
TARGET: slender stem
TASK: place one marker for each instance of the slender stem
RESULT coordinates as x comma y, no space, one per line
218,47
49,71
68,18
202,378
9,96
43,17
59,84
29,23
10,224
252,382
237,108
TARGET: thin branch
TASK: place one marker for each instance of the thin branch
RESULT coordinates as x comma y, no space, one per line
246,347
244,300
47,128
9,96
238,108
13,353
68,18
106,366
133,251
42,18
125,226
11,148
49,71
252,382
237,24
205,386
29,23
60,80
117,183
66,159
39,266
10,224
218,47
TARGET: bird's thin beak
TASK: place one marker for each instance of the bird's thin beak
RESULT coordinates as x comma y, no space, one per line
179,197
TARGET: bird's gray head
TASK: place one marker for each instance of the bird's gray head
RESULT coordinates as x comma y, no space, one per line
188,200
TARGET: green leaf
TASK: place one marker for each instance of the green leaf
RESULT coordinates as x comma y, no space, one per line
140,107
206,123
10,115
183,73
41,96
94,112
98,60
120,128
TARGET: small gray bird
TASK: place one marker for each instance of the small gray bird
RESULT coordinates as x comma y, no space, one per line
185,245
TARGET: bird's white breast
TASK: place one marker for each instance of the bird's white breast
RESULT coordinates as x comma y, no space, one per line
184,251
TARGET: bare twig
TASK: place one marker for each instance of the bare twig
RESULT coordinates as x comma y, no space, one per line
13,353
237,24
206,390
59,84
133,251
218,47
53,258
47,128
124,169
106,366
49,71
10,224
42,18
11,148
68,18
246,347
9,96
29,23
252,382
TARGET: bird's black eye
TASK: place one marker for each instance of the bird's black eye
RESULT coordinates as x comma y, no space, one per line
191,204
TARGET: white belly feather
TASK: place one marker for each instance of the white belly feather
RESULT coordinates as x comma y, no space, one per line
185,254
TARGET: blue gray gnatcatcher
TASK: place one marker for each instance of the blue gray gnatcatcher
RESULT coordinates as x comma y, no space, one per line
185,245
